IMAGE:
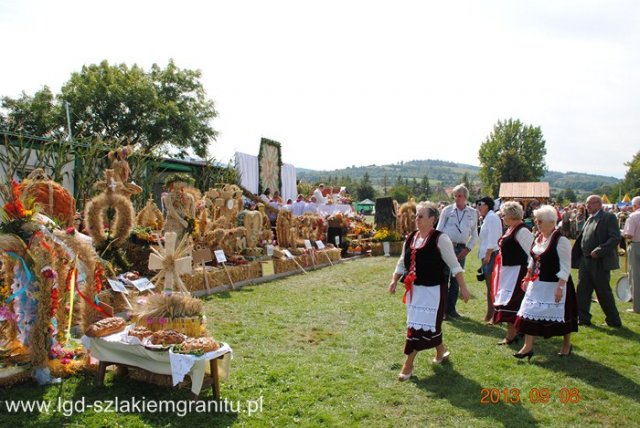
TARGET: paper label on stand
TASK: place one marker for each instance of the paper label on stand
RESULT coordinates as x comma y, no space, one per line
337,239
307,244
201,255
288,254
220,257
268,268
320,245
269,250
117,286
143,284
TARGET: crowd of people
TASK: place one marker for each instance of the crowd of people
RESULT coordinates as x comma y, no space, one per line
302,204
527,271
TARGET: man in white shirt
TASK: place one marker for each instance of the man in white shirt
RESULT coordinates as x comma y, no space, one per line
490,233
320,198
298,206
312,206
632,233
460,223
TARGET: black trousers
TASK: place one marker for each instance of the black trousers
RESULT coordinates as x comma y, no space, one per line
591,276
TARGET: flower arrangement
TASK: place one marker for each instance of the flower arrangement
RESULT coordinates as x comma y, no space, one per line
361,228
385,234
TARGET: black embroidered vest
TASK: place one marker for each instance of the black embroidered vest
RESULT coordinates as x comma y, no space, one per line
549,261
511,251
430,267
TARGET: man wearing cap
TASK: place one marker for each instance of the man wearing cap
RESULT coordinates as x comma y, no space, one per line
460,222
490,233
632,233
595,254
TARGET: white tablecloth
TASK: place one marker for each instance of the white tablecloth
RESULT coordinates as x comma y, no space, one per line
116,349
325,210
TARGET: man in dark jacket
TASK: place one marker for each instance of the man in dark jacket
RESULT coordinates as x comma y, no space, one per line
595,253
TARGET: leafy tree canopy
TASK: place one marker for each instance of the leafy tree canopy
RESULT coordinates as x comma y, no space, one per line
513,152
159,109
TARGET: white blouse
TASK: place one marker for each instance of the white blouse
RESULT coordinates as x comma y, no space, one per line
564,253
446,251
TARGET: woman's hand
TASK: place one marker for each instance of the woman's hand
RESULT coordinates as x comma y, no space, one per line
559,291
392,287
558,294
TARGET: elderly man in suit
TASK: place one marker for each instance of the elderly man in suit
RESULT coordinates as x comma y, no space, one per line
595,253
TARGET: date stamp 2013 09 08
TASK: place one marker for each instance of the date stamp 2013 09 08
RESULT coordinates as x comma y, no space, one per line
536,395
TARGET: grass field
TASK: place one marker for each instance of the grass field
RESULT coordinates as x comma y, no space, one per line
324,349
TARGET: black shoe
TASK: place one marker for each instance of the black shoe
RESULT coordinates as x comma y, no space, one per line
560,354
584,323
453,314
616,325
515,340
527,355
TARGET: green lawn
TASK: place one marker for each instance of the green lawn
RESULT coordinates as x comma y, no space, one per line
324,349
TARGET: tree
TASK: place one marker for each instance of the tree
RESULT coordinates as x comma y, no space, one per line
426,187
570,195
512,152
385,183
365,190
157,110
632,176
38,115
400,192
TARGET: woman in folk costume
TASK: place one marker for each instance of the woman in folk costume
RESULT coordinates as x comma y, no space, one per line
425,254
511,267
549,307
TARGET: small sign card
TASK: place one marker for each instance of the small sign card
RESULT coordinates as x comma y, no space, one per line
117,286
269,250
143,284
307,244
337,239
220,257
320,245
268,268
287,253
201,255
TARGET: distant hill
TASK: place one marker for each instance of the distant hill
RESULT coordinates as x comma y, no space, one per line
448,174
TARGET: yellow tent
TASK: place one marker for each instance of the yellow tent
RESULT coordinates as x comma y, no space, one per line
605,199
626,198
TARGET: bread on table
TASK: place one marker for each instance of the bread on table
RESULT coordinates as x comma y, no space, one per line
204,344
106,327
140,332
167,337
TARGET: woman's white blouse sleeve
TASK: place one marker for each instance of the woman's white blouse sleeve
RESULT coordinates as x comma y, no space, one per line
525,239
564,254
400,265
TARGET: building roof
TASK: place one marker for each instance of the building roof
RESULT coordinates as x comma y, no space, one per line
367,202
524,190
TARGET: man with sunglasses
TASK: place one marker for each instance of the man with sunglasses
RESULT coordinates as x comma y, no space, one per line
460,222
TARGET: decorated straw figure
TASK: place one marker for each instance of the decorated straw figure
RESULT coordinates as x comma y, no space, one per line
406,219
119,210
37,262
52,198
252,221
171,262
284,224
180,205
150,216
122,171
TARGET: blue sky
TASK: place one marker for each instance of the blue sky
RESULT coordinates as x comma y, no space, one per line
342,83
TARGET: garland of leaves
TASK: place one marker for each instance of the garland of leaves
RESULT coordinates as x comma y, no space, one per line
265,143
